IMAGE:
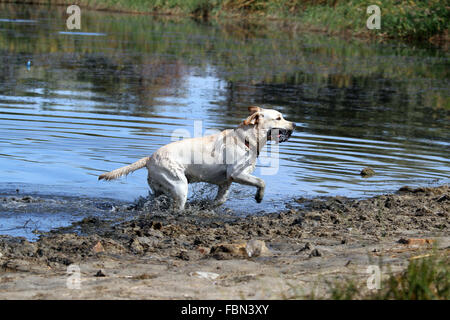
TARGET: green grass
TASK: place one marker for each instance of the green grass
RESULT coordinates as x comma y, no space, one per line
424,279
411,19
399,19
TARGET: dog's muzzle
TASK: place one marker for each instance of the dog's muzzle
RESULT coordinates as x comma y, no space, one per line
279,135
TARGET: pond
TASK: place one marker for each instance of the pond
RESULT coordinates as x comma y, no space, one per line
77,103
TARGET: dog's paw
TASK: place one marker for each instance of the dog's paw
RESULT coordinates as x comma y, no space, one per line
259,197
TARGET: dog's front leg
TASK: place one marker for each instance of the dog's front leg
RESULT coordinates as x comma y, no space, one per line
250,180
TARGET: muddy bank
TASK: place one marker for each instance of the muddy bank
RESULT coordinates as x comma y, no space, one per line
207,254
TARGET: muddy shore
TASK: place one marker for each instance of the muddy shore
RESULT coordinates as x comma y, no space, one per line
204,254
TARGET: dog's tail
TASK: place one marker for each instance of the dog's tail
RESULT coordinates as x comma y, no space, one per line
124,170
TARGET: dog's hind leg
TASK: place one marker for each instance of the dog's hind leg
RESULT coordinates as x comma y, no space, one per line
175,187
173,183
222,194
156,187
179,191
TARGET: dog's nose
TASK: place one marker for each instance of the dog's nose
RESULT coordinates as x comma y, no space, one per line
293,125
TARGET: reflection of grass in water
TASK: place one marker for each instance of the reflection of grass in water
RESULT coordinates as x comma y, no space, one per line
232,46
260,54
257,52
400,19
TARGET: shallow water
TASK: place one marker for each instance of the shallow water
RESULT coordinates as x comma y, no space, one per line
95,99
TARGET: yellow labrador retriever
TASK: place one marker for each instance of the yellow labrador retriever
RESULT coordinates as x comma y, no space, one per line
222,158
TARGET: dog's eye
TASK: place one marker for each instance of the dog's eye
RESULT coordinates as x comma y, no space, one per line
279,118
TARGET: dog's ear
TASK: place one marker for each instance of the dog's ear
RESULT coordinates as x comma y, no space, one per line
254,109
252,119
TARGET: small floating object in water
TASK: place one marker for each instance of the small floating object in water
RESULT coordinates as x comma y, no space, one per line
367,172
79,33
28,65
18,20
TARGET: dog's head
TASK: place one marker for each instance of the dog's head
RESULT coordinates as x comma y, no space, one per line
271,122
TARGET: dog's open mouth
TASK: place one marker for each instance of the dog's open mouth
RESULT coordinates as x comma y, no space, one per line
278,134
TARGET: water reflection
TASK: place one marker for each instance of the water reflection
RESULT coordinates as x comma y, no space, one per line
105,96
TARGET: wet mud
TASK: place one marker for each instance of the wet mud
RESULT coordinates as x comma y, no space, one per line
145,251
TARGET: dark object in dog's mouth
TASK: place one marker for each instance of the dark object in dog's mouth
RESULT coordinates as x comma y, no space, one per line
278,134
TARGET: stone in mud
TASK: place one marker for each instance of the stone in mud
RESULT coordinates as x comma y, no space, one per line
205,275
147,242
252,248
315,253
144,276
367,172
184,255
100,273
406,189
416,241
226,251
315,217
154,233
89,220
389,203
27,199
307,246
297,221
203,250
256,248
98,248
136,247
424,211
445,197
157,225
426,190
142,244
